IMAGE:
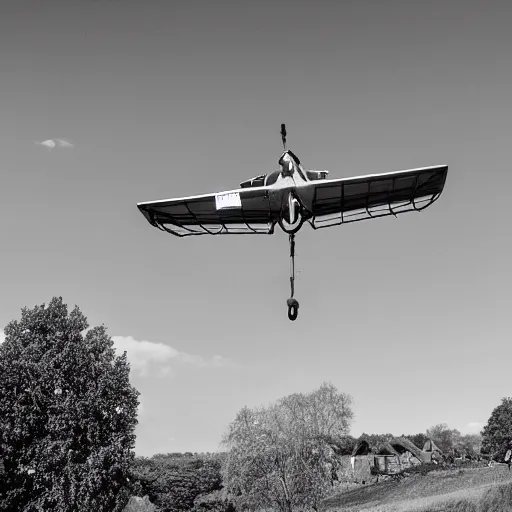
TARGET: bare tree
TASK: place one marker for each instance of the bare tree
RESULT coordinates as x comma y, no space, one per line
279,456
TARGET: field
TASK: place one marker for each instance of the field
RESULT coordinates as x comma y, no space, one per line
462,490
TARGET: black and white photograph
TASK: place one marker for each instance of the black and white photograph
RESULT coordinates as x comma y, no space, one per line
255,256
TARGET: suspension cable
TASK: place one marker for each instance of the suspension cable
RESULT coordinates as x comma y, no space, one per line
292,264
292,303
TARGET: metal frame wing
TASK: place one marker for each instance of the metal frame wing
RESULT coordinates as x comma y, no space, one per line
241,211
364,197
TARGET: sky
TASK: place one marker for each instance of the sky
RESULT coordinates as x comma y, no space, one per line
161,99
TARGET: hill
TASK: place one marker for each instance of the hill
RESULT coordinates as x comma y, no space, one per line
461,490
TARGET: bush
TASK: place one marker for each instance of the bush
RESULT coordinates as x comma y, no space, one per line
173,483
216,501
137,504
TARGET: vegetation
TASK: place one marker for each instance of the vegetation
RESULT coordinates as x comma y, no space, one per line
498,430
216,501
67,414
377,441
470,445
474,489
342,445
174,482
279,456
67,421
137,504
445,438
453,443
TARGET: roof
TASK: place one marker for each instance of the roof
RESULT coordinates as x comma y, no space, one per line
362,447
401,444
430,446
342,445
395,446
386,448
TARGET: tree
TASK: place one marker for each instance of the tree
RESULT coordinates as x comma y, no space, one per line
173,482
216,501
498,430
67,414
280,456
445,438
470,445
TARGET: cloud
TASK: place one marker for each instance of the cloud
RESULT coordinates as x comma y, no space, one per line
56,143
2,337
145,356
62,143
474,427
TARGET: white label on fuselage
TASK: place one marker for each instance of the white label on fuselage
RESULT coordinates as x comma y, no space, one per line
230,200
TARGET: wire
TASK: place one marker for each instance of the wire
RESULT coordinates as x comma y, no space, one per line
292,264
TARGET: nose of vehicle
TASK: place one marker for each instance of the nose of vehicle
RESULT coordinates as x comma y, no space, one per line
287,164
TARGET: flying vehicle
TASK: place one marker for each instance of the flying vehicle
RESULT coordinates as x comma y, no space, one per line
292,196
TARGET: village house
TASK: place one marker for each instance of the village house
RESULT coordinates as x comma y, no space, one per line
388,458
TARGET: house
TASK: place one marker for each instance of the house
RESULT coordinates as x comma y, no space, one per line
409,453
361,460
388,458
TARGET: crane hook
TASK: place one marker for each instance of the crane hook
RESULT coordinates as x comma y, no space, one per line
293,308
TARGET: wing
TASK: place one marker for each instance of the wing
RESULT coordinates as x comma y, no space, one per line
364,197
243,211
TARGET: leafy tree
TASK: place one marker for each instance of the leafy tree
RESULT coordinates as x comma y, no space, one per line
173,482
67,414
498,430
280,457
469,445
216,501
445,438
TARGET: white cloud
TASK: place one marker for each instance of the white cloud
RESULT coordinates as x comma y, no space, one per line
54,143
145,356
62,143
474,427
50,144
2,337
222,361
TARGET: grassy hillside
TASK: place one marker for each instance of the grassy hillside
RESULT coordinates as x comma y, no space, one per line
461,490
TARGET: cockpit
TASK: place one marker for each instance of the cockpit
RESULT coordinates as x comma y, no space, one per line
289,163
262,180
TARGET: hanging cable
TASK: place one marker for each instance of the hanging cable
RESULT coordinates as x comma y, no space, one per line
293,304
292,264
